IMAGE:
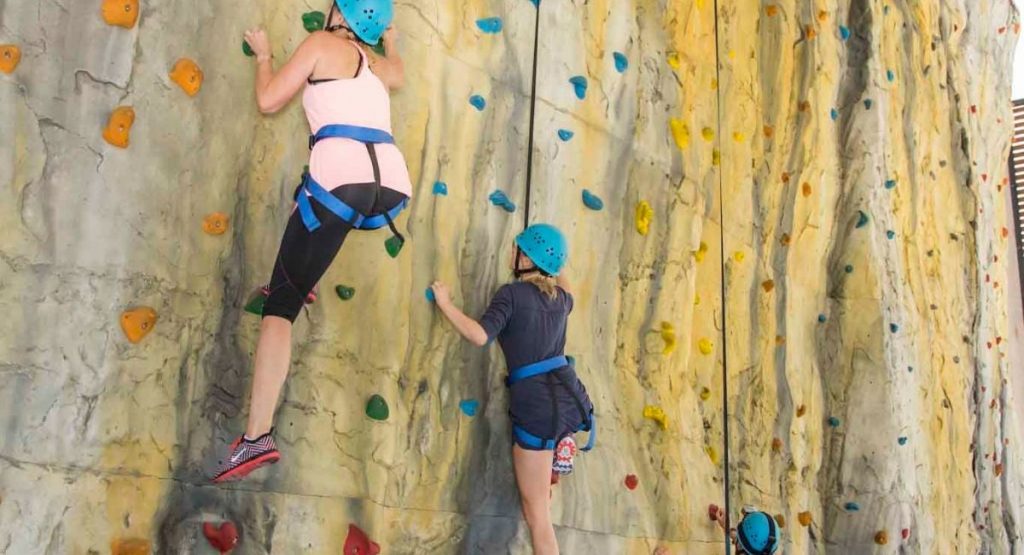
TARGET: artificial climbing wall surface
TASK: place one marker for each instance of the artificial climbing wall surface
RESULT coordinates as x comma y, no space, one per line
861,149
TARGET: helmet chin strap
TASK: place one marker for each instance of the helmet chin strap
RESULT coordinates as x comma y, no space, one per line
520,272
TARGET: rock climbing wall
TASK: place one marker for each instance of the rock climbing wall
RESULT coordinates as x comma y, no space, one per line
856,149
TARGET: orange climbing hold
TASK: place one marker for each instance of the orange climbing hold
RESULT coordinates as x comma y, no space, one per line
805,518
804,106
216,223
10,55
776,445
771,10
882,537
811,32
822,16
123,13
801,410
138,322
119,126
806,189
785,177
1005,232
768,132
187,75
129,546
999,470
780,520
779,340
786,240
768,285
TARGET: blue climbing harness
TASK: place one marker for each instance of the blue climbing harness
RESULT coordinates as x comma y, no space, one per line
369,137
550,366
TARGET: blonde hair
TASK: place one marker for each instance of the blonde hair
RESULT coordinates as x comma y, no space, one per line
546,284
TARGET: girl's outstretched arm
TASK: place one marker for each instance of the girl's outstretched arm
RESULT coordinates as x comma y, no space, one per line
275,90
468,327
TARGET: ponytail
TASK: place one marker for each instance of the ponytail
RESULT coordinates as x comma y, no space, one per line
546,284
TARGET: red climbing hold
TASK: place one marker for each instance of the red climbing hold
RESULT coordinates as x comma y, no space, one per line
358,543
223,538
713,512
632,481
974,109
905,533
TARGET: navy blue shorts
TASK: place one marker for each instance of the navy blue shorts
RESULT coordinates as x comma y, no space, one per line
545,408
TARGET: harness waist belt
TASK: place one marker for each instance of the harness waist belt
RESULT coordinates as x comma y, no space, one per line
537,368
543,367
366,135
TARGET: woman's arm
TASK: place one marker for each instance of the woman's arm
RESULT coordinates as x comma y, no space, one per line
275,90
468,327
389,69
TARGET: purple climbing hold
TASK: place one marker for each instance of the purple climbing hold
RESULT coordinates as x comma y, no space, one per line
469,406
592,201
500,199
489,25
844,32
478,102
621,62
441,189
579,85
862,219
565,135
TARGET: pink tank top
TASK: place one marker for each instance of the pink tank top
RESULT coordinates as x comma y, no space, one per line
364,101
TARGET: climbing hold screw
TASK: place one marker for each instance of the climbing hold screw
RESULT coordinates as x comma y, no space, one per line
500,199
565,135
631,481
705,346
592,201
851,506
344,292
223,538
478,102
621,62
313,21
579,85
123,13
215,223
138,322
441,189
187,75
656,414
119,126
668,335
489,25
469,406
644,215
377,408
680,133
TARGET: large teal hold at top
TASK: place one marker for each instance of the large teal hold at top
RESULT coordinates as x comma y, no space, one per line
368,19
545,245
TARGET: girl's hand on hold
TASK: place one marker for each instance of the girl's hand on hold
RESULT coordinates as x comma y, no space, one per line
260,44
390,37
442,295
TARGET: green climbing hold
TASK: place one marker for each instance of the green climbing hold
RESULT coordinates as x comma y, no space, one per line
313,21
246,49
379,50
256,302
394,245
345,293
377,408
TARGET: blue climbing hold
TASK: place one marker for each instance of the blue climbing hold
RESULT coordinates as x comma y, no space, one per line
902,440
579,84
834,114
849,268
867,103
890,75
499,198
890,234
833,421
441,189
565,134
429,294
894,328
862,219
478,102
822,318
844,32
851,506
592,201
489,25
469,406
890,183
621,62
536,3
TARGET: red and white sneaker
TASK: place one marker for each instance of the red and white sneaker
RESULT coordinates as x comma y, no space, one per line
565,452
246,456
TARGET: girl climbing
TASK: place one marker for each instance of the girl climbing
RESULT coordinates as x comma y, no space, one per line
548,402
357,179
757,533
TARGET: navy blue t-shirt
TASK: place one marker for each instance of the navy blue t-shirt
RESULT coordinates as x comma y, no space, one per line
529,325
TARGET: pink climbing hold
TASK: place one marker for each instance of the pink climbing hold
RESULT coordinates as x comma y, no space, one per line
358,543
223,538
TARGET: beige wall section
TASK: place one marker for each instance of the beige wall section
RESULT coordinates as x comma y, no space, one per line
105,441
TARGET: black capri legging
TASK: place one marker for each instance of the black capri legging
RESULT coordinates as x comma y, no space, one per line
304,256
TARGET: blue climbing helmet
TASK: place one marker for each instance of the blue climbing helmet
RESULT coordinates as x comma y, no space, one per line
545,245
758,534
368,19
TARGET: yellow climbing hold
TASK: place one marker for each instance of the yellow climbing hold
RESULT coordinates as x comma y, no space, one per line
701,252
123,13
654,413
708,134
705,346
215,223
644,215
668,335
805,518
10,55
680,133
119,126
738,137
716,157
138,322
696,300
801,410
130,546
673,60
811,32
714,84
187,75
705,394
738,256
712,454
822,16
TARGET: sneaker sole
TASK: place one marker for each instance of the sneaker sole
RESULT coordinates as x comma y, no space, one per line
246,468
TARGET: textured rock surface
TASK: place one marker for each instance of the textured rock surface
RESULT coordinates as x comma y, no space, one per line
105,441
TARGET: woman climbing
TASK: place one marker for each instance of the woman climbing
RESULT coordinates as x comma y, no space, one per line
357,179
548,402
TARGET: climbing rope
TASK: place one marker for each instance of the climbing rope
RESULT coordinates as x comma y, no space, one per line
721,247
533,117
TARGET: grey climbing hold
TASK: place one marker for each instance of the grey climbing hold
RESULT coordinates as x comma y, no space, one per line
500,199
478,102
592,201
579,85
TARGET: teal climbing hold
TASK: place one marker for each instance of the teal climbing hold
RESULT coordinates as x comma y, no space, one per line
834,114
500,199
822,318
394,245
469,406
579,84
489,25
344,292
246,49
833,422
429,294
621,62
441,189
890,183
565,134
862,219
851,506
894,328
377,408
844,32
902,440
890,234
313,21
867,103
849,268
478,102
592,201
890,75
